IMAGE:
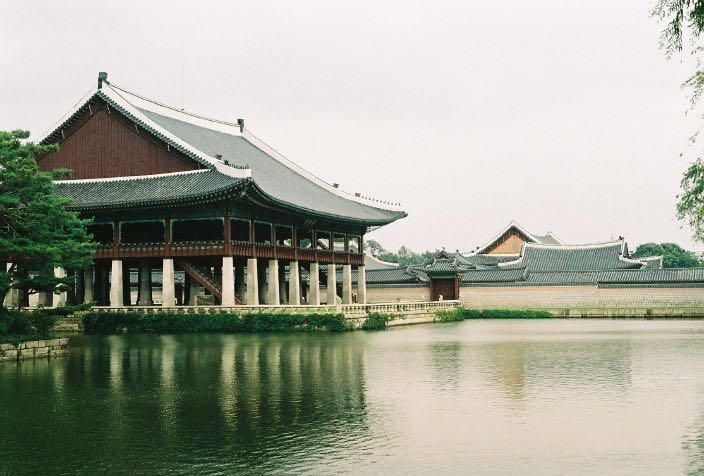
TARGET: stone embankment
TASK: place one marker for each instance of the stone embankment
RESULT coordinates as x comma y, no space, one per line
34,349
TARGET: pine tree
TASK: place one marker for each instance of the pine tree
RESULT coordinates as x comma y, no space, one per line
37,231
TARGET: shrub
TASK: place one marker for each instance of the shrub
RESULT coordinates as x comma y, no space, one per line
14,322
514,314
461,313
43,321
211,322
453,315
375,322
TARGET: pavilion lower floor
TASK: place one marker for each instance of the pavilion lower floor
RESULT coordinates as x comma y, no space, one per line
226,281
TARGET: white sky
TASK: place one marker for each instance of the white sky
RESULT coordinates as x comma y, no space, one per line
562,115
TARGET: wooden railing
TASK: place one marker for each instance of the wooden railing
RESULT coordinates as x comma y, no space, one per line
220,248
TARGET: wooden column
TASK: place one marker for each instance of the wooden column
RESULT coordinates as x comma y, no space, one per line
227,223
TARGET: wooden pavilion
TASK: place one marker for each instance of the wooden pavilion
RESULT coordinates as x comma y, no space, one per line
180,192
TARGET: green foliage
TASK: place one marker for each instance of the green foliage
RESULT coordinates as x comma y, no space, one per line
173,322
373,247
462,313
674,256
37,232
685,19
43,321
405,256
376,321
14,322
453,315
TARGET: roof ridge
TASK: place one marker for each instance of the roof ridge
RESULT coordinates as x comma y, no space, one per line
126,178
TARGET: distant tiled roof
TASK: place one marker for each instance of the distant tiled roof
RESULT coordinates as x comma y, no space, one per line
399,275
604,256
623,276
488,260
651,261
493,275
372,262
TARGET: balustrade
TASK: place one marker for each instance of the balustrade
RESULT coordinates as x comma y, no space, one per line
219,248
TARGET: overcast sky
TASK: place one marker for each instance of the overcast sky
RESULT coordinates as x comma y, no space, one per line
561,115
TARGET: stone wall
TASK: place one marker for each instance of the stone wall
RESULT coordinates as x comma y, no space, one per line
581,297
34,349
398,293
584,299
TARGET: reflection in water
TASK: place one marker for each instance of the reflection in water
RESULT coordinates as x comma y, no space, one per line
503,397
244,402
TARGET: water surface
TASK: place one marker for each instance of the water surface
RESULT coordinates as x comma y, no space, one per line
560,396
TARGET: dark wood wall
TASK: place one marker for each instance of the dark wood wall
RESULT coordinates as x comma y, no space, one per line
106,144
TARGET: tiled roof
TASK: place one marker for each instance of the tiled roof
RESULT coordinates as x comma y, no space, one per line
386,276
652,261
604,256
623,276
488,260
224,148
493,275
372,262
147,190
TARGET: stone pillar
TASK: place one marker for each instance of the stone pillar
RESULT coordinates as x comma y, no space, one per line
252,283
193,288
294,284
116,293
13,296
126,285
228,282
145,284
346,284
240,285
272,287
60,299
168,285
44,299
314,293
261,281
88,286
332,285
361,285
283,294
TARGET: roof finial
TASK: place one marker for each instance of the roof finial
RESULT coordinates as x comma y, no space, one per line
102,77
240,122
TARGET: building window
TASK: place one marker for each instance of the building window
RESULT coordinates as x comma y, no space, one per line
354,244
239,230
102,232
262,233
305,238
323,240
198,230
339,242
142,232
284,235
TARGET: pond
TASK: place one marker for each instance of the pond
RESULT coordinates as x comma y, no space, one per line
545,396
